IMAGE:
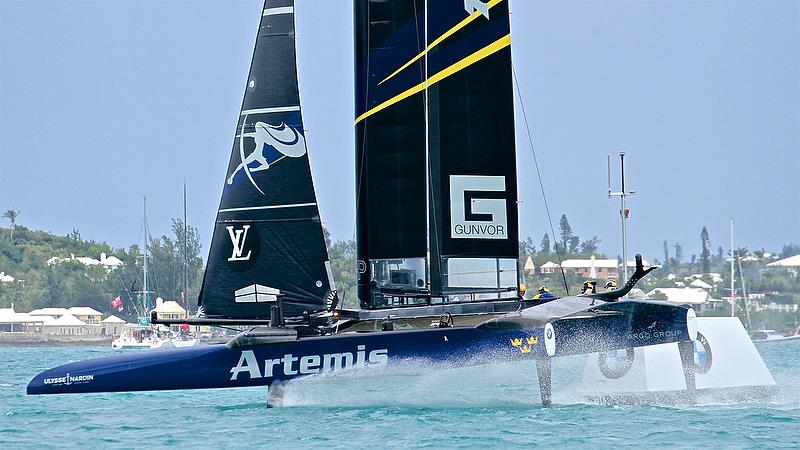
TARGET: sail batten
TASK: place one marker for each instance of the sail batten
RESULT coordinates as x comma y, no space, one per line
268,236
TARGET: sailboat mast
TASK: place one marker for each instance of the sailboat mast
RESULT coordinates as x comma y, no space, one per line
733,280
624,218
185,255
145,302
428,186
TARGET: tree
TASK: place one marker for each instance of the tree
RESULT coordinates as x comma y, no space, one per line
705,254
590,247
574,243
12,215
566,232
678,254
719,254
666,256
545,245
790,250
75,235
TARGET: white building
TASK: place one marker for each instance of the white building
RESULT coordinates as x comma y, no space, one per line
5,278
109,262
592,268
55,313
68,325
698,283
790,262
111,326
14,322
169,310
86,314
548,267
696,297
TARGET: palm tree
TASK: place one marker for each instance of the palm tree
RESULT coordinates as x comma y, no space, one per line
12,216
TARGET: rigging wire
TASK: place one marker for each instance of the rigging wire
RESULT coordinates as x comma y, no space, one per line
538,173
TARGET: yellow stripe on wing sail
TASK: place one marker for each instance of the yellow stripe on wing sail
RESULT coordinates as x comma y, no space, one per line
495,46
441,38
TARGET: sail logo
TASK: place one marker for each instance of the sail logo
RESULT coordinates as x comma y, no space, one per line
240,246
272,144
290,365
478,207
256,293
238,238
477,5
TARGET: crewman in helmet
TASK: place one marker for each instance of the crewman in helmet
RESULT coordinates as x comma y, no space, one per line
544,293
611,284
589,287
522,290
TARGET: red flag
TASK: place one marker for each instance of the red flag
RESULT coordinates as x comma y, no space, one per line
181,295
117,303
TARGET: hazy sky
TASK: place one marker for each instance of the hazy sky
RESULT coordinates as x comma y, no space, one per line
102,103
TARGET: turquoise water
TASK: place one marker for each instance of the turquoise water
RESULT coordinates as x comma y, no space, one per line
483,406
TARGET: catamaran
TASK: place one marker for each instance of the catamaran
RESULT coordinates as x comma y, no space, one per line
437,225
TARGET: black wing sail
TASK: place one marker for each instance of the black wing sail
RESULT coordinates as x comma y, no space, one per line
471,147
390,149
268,237
435,157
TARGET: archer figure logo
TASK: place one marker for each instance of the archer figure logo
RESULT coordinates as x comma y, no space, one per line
478,207
272,143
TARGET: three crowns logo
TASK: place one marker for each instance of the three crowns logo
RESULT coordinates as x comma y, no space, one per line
525,345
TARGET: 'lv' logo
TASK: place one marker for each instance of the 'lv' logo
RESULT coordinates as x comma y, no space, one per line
238,238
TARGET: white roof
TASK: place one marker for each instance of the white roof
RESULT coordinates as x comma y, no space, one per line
88,261
6,278
529,264
83,311
67,320
112,261
588,263
700,284
169,307
682,295
549,264
8,315
56,312
792,261
112,319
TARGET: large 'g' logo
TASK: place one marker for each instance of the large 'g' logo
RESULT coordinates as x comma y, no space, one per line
478,207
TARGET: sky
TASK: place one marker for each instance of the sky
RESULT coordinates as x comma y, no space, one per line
103,103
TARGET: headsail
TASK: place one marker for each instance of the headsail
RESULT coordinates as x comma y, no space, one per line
436,166
268,236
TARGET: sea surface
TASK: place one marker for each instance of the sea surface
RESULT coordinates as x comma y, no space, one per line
489,406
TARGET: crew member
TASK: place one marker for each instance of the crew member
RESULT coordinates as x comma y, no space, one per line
589,287
544,293
522,290
611,285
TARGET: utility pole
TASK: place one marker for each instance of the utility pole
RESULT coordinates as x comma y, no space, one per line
623,212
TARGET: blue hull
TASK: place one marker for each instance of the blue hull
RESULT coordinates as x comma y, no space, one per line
606,326
218,366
